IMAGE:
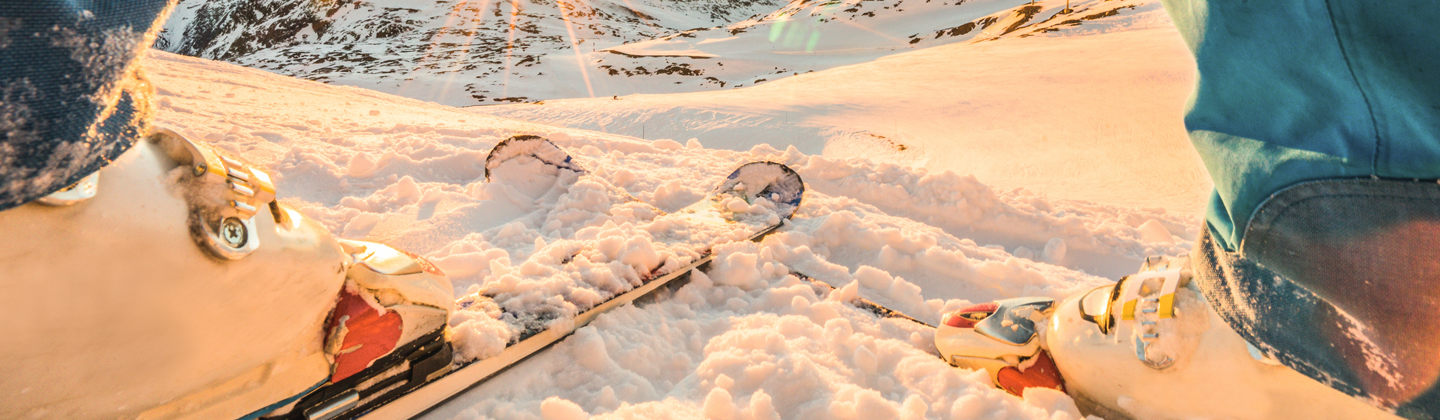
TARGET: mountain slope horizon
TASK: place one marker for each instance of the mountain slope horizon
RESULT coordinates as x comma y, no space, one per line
463,52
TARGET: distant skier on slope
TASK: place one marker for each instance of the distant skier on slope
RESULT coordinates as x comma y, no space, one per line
146,275
1319,122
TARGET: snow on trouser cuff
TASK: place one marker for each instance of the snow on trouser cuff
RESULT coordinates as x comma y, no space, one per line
71,99
1337,279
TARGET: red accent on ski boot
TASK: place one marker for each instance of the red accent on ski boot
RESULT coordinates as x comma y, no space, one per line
968,316
1042,374
368,336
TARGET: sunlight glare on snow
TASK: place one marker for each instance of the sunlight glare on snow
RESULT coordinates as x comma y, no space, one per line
748,340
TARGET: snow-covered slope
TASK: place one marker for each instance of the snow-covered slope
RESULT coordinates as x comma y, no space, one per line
463,52
813,35
452,51
1083,112
1077,104
747,341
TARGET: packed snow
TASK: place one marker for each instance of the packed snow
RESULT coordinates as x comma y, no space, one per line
1020,94
1090,112
931,227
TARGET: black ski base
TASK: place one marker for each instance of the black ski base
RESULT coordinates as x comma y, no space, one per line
408,367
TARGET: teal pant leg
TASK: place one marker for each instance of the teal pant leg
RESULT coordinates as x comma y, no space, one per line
1319,122
1292,91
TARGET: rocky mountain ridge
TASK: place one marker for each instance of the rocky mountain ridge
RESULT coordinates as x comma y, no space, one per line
466,52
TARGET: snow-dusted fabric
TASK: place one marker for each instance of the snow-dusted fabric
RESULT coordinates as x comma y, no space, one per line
1319,121
1337,279
72,97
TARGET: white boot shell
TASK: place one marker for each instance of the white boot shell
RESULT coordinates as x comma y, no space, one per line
114,310
1189,365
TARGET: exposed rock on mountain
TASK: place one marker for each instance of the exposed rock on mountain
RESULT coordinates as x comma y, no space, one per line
466,52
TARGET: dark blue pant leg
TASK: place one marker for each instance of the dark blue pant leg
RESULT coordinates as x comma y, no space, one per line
70,99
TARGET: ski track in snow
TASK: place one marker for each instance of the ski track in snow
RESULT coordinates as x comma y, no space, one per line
1089,112
1020,94
746,341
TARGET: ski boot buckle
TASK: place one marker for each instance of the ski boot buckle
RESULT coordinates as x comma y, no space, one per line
1148,298
223,225
81,190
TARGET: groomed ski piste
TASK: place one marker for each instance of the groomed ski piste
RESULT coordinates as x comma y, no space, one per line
745,339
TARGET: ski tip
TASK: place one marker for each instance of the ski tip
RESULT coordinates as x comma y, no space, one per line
536,147
780,184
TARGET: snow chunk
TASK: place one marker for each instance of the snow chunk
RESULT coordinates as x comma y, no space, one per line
362,165
1055,251
477,330
1153,231
1056,402
590,350
719,405
555,408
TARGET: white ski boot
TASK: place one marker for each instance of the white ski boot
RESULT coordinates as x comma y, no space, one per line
1146,347
171,284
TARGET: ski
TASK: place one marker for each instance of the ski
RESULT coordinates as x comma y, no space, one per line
535,151
534,147
412,384
532,174
544,151
879,310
